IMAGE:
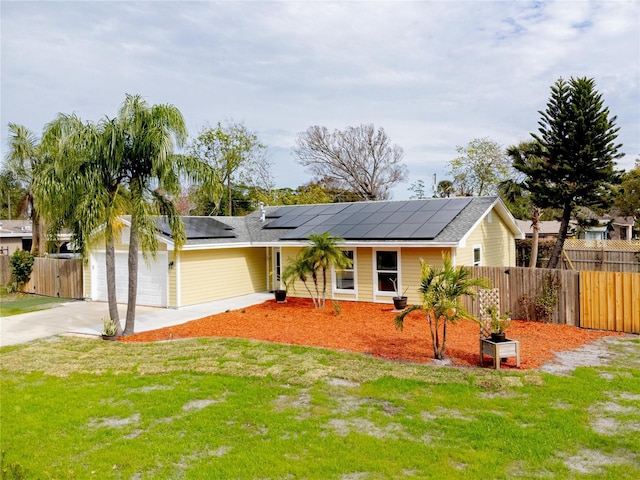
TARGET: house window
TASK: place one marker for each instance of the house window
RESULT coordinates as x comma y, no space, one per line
477,255
344,281
386,270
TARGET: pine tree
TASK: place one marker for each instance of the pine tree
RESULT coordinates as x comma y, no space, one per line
576,154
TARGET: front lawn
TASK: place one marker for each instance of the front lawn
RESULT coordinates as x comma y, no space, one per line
17,303
223,409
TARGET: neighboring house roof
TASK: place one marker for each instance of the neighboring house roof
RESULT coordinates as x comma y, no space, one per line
547,227
623,221
15,228
430,222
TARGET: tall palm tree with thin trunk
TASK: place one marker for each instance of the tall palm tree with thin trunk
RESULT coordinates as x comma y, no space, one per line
523,156
82,187
152,173
25,158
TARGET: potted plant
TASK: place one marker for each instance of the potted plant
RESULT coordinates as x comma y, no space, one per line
499,323
399,301
109,329
281,295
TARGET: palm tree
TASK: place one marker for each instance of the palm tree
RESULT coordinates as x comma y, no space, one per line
321,255
82,188
301,269
24,159
152,173
441,289
523,156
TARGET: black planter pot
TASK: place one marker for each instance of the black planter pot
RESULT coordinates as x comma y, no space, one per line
281,295
499,337
400,303
109,337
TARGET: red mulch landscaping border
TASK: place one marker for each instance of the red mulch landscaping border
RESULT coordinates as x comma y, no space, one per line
369,328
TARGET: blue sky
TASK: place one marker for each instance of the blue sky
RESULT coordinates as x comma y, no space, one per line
433,74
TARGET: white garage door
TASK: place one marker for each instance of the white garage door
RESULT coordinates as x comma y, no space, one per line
152,279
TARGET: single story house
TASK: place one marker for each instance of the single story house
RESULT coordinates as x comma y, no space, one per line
18,235
547,229
15,235
229,256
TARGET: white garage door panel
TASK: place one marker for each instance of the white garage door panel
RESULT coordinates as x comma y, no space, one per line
152,279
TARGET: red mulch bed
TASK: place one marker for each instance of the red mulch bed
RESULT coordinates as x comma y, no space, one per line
369,328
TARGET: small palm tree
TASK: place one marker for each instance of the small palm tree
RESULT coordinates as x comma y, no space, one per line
301,270
442,289
315,259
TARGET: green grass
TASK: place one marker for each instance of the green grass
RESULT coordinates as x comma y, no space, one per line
17,303
236,409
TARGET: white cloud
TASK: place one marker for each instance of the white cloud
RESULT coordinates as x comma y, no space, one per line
434,74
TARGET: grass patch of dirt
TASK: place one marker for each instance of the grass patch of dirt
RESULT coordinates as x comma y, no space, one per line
369,328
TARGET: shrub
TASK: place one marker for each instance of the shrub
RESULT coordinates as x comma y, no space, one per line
21,266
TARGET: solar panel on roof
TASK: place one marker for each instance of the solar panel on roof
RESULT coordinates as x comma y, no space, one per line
199,227
429,230
404,231
411,220
456,204
357,232
391,207
371,207
380,231
442,216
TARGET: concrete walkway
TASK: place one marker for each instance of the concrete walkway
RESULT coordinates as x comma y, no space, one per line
80,317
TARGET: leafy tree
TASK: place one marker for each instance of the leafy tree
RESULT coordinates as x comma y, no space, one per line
314,260
442,289
236,154
360,159
418,190
628,195
10,194
24,159
479,168
445,189
575,154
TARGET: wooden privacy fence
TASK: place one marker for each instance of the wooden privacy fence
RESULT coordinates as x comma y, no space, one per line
548,295
51,277
610,301
598,300
602,255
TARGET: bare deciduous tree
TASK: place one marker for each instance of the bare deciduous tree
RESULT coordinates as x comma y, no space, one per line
361,159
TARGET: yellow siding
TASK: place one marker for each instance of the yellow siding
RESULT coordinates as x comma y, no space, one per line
173,296
208,275
410,268
496,241
86,275
365,274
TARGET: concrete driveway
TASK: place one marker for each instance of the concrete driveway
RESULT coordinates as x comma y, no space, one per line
85,317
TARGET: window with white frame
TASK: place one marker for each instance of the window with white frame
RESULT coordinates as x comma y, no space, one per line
477,255
344,281
386,271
